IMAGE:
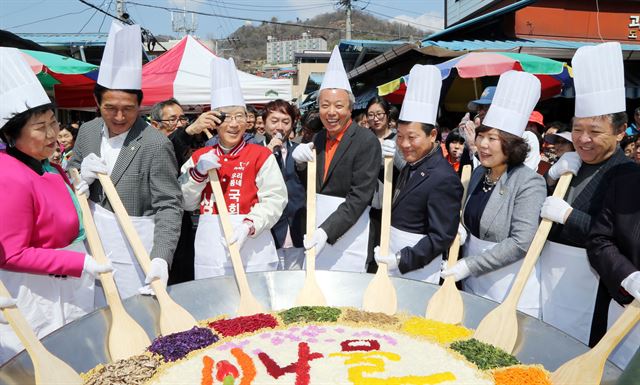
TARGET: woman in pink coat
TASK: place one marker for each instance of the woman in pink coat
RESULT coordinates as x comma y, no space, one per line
43,262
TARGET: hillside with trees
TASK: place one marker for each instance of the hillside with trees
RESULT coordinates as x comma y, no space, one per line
249,43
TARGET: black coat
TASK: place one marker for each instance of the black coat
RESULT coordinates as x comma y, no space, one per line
613,246
352,174
293,216
428,204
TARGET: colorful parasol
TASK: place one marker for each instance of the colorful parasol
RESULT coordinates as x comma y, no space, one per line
54,69
477,70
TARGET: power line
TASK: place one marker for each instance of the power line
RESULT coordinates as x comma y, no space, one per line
105,16
49,18
169,9
91,17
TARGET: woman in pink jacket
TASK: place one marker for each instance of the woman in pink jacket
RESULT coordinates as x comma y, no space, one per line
43,262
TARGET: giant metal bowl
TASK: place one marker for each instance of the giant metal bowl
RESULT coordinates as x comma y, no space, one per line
83,343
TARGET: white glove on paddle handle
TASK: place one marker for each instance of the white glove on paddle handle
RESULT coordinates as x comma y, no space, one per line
158,269
206,162
240,234
390,260
5,302
319,240
568,162
388,148
303,153
632,284
92,267
555,209
459,271
91,166
462,232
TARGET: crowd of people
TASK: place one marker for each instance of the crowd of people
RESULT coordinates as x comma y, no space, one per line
161,167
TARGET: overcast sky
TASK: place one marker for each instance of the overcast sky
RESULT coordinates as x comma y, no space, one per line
74,16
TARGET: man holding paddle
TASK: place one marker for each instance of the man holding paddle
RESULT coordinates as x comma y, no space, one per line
140,161
568,284
345,177
426,203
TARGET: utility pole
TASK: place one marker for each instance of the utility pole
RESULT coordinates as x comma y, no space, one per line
347,4
120,8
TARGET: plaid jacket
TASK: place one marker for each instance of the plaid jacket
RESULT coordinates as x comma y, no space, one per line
588,204
145,176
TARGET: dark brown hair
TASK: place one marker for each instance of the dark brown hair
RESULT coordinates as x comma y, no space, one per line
283,106
513,147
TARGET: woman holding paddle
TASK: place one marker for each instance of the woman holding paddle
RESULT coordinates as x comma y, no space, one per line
43,262
502,210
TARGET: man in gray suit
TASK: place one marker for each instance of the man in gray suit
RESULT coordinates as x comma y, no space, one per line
139,159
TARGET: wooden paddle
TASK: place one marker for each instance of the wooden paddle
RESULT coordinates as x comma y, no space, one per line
248,303
173,317
587,369
311,294
126,337
48,368
380,295
446,304
500,326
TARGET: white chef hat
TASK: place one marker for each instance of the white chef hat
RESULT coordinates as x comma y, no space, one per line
598,79
20,90
225,84
121,65
335,76
516,96
423,95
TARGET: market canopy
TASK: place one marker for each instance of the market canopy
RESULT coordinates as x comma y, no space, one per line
183,72
52,69
474,71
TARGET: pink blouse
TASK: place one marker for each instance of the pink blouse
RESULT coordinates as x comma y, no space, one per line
37,217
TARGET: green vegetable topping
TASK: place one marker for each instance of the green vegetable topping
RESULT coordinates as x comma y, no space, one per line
310,314
485,356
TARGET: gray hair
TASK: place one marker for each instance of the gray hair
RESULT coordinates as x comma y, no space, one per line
156,110
352,99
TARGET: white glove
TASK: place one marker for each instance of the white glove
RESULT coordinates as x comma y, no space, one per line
556,210
388,148
303,153
319,240
91,166
206,162
159,269
82,188
240,234
459,271
462,232
94,268
390,260
631,284
5,302
568,162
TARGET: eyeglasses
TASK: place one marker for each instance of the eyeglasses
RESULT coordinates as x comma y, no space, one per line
175,120
239,117
378,115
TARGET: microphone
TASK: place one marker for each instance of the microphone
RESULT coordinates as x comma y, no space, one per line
277,150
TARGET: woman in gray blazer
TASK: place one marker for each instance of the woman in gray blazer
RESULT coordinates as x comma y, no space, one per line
501,215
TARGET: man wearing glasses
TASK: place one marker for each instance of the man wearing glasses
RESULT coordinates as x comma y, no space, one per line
254,191
168,117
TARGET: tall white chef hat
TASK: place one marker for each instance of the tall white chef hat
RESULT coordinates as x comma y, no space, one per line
423,94
598,79
121,65
225,84
516,96
20,90
335,76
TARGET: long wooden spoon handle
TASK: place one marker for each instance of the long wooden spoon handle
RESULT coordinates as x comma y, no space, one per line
627,320
95,245
227,229
537,244
310,260
454,250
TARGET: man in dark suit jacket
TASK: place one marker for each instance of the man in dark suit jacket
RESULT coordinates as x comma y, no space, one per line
347,165
613,247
